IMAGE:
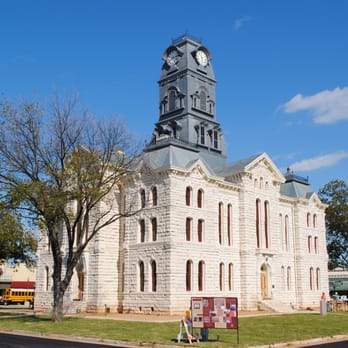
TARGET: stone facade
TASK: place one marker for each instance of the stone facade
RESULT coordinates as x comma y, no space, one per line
205,227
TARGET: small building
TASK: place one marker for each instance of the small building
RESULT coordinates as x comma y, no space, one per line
338,282
17,276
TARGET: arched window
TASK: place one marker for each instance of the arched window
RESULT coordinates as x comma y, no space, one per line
200,198
286,233
258,223
188,228
142,198
200,275
153,276
200,230
314,220
188,195
309,244
308,219
221,276
229,224
266,212
311,278
142,230
316,245
122,276
230,277
261,183
172,100
141,276
154,196
220,222
188,275
47,278
154,229
80,280
255,182
288,278
202,100
282,234
283,277
317,278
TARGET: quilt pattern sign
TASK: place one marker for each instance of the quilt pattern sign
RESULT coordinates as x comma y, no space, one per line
214,312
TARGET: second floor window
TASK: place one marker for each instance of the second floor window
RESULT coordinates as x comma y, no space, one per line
188,196
142,230
154,229
188,229
142,198
200,198
154,196
200,230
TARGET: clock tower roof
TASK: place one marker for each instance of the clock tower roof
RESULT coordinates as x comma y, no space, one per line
187,117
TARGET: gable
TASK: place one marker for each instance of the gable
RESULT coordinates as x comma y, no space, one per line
263,166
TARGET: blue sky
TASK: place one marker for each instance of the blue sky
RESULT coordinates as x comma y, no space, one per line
281,68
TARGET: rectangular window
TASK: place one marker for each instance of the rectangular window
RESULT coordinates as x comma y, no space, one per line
216,144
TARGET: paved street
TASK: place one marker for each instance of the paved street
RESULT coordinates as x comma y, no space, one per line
19,341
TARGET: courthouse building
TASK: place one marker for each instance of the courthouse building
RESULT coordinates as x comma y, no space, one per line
207,227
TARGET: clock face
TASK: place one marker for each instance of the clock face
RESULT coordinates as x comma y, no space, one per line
172,58
202,58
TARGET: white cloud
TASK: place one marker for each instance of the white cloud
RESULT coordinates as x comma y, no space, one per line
325,107
315,163
239,22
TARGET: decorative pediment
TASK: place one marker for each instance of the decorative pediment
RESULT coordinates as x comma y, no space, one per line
263,163
314,199
199,169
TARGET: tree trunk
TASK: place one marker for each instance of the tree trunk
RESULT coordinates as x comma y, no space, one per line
57,310
58,285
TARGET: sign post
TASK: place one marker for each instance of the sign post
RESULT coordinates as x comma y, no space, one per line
215,312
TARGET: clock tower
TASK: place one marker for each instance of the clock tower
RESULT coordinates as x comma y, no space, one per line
187,114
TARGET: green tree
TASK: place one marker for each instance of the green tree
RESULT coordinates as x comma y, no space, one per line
335,194
16,243
65,169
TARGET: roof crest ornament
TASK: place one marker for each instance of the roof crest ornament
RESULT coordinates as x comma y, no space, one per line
184,37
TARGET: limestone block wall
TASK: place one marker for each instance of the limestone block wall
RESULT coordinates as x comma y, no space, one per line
113,260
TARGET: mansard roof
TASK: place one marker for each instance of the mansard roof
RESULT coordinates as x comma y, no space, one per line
183,158
173,156
296,187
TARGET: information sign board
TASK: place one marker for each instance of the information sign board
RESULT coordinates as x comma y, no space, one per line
214,312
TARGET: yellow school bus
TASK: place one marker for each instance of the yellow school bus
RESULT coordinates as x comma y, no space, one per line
18,296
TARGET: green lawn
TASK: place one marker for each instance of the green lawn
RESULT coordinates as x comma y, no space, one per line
258,330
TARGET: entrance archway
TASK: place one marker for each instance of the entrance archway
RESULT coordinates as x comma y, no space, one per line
264,280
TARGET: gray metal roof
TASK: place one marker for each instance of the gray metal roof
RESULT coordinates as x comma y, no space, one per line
296,187
235,167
